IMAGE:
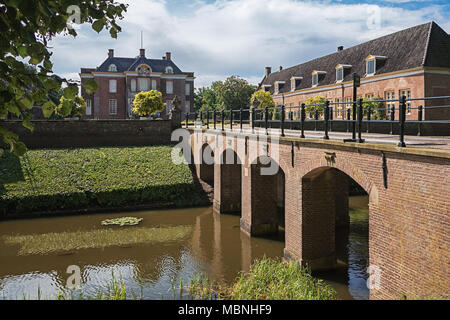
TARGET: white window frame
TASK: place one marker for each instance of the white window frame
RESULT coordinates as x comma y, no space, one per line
154,85
187,87
112,107
112,68
169,87
188,106
374,67
133,85
88,107
315,79
112,86
341,72
169,70
143,87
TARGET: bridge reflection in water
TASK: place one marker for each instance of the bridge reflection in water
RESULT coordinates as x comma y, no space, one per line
215,246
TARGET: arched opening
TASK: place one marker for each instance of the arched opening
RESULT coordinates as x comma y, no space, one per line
335,230
267,197
206,165
230,182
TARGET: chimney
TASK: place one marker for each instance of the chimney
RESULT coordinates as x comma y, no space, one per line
281,68
340,48
111,53
168,56
268,71
142,52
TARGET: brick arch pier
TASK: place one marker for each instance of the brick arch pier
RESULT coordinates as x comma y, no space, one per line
409,203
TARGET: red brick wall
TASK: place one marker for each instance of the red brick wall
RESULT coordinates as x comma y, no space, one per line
229,184
377,88
104,96
409,222
124,87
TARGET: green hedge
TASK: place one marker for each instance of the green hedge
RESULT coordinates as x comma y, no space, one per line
71,179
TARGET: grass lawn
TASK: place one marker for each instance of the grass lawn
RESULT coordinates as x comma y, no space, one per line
72,179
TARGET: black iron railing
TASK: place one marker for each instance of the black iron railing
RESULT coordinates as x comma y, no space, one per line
354,114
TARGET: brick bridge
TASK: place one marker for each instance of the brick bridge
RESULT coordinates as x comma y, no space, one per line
409,201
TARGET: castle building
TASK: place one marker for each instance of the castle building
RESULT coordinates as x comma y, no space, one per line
120,79
414,62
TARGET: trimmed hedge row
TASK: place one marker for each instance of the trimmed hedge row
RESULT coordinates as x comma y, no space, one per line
71,179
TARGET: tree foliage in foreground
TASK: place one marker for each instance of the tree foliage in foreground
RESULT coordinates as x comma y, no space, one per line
26,75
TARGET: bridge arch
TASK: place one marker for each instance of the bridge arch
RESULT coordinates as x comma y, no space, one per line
205,163
323,209
264,192
228,183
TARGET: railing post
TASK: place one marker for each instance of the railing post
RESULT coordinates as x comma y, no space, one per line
360,118
223,119
420,118
302,120
266,119
402,118
349,114
240,117
331,118
187,120
326,116
231,119
283,115
354,120
253,112
369,115
215,118
316,118
291,118
207,119
392,119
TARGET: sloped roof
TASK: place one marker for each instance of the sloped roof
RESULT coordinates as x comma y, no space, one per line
422,45
130,64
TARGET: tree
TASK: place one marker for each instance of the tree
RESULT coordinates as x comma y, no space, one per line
205,99
147,103
378,112
26,27
265,99
234,93
315,103
71,107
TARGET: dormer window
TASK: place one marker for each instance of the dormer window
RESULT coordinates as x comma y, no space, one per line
294,82
112,68
316,75
371,64
144,69
266,87
340,72
169,70
278,84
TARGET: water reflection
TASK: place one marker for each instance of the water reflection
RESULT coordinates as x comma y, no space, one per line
216,246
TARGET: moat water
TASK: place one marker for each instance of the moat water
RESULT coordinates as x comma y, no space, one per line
35,254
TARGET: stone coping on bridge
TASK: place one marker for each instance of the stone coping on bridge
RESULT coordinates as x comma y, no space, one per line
434,153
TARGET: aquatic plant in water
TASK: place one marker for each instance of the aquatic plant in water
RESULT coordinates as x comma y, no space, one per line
48,243
124,221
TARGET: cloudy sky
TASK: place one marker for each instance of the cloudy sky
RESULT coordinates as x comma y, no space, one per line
219,38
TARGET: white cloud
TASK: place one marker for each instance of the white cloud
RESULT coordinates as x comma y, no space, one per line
237,37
